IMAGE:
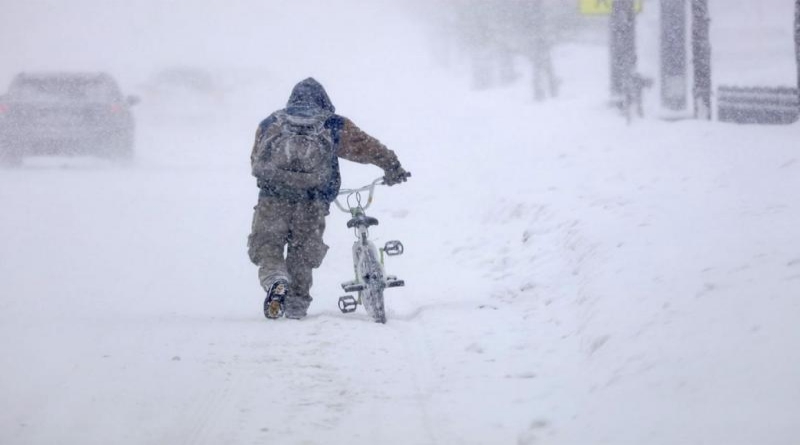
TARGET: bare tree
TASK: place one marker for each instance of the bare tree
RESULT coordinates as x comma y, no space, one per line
495,34
536,45
701,48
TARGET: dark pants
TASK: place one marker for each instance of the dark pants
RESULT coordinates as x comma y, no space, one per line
295,228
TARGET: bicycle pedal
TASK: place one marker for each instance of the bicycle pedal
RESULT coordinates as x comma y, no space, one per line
395,283
393,248
347,304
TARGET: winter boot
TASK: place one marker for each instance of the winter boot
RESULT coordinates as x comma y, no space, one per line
296,307
274,303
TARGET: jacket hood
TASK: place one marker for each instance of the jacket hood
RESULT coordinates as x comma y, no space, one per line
309,97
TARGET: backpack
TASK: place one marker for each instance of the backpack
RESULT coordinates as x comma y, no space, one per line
299,156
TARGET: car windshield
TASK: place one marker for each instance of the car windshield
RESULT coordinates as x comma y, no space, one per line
58,89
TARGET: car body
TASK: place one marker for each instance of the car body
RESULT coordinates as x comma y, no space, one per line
65,114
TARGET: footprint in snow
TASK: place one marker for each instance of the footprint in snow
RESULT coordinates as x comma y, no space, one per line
598,343
535,432
476,348
399,214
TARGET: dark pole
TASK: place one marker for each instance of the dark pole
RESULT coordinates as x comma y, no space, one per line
797,41
673,54
623,52
701,48
622,45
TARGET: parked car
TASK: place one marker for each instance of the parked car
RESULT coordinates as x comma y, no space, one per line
65,114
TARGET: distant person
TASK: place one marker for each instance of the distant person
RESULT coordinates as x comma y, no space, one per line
295,160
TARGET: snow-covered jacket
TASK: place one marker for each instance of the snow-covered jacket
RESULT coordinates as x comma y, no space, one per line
309,98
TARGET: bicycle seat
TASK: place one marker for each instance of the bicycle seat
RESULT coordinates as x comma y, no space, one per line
362,220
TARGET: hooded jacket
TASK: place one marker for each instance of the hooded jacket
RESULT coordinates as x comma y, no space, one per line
309,98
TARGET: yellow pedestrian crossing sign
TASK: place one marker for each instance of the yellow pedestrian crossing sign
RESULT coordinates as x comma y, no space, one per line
603,7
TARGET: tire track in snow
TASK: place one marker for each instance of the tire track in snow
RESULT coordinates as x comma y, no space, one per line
384,390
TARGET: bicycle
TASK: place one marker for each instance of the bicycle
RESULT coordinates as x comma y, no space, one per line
370,277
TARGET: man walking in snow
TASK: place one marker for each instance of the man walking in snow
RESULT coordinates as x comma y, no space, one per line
295,162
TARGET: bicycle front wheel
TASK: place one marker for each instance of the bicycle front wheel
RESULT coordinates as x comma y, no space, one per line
371,273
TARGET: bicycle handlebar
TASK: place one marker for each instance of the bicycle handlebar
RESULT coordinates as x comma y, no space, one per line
369,187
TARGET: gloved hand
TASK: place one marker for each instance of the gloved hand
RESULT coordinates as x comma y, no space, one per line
395,175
